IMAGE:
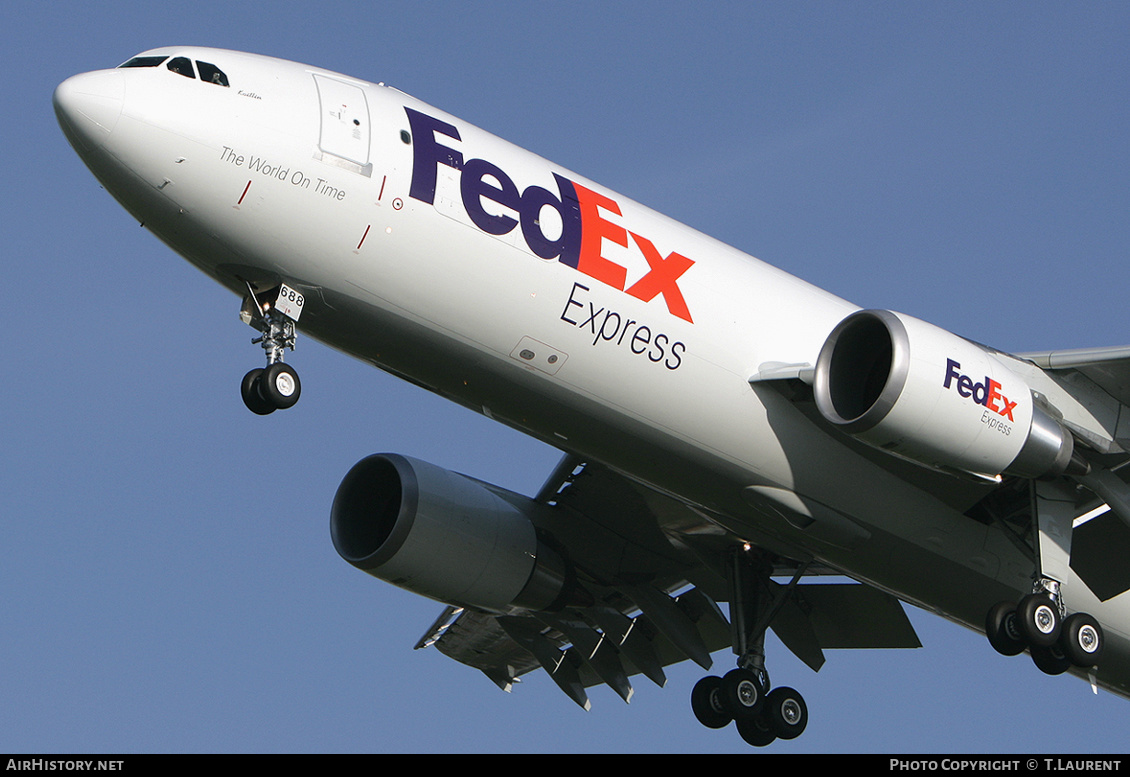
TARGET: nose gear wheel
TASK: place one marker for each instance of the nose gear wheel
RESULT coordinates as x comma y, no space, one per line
274,313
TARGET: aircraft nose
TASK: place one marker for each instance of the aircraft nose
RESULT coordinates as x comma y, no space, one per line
88,106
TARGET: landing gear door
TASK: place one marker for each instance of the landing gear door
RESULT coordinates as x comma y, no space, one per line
344,130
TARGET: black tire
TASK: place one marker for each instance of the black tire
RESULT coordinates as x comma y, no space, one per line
741,693
1082,640
786,713
249,390
1000,628
707,704
1050,660
279,385
1037,620
756,731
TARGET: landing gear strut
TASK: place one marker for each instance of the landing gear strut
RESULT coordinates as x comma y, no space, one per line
1039,621
274,313
743,695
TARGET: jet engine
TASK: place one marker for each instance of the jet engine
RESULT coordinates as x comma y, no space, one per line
920,392
445,536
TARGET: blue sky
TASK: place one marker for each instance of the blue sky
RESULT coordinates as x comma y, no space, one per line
168,582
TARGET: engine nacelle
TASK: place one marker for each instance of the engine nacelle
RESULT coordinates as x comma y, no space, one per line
444,536
918,391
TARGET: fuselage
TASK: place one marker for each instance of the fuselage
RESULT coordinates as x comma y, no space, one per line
456,260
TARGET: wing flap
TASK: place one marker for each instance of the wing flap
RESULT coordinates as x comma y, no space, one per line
577,652
601,645
478,639
1099,549
644,612
846,616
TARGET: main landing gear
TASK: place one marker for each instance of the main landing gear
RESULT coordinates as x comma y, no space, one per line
743,695
274,313
1039,622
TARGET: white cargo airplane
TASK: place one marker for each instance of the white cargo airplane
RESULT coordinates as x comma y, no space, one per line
730,432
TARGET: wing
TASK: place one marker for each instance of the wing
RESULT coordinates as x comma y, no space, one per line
657,573
1107,368
1099,378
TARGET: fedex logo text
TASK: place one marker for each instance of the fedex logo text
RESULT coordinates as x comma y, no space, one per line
986,393
583,216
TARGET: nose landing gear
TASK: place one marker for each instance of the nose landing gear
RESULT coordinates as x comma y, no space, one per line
274,313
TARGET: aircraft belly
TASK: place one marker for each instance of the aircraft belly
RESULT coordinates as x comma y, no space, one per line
905,530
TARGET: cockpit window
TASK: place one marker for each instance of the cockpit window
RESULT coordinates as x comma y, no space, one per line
144,62
211,74
182,65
